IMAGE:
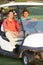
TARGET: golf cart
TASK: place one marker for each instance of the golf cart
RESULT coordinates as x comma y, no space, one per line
30,44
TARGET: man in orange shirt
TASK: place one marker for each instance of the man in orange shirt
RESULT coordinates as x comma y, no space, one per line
11,27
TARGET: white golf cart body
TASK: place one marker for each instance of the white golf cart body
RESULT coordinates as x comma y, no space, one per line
33,41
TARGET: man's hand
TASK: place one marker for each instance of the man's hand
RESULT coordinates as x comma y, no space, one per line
34,19
17,34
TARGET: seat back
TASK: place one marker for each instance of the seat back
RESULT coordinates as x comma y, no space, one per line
2,29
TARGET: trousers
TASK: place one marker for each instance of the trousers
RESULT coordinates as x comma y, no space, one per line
12,38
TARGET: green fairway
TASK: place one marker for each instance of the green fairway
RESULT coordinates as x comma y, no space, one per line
5,1
39,17
11,61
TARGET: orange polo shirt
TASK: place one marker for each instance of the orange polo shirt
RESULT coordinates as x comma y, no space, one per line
11,25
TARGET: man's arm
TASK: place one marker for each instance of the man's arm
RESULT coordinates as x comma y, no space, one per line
17,26
5,25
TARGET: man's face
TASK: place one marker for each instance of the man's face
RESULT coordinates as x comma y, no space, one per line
11,15
25,14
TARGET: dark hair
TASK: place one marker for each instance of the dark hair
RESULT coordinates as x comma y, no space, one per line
25,10
10,11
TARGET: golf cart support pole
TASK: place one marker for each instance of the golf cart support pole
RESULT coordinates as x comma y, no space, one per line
19,17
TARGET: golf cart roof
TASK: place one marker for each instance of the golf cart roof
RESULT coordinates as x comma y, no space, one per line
21,3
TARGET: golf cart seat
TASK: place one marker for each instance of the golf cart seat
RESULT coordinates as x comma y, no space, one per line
3,34
4,37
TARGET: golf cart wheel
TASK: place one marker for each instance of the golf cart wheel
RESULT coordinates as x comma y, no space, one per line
27,60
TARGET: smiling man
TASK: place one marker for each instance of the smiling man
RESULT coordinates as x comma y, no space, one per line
11,27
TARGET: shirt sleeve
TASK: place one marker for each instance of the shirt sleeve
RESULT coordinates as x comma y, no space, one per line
5,24
17,25
29,18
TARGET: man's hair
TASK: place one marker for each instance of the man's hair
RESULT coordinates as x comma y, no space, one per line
10,11
25,10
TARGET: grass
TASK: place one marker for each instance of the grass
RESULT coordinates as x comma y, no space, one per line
1,2
9,61
39,17
12,61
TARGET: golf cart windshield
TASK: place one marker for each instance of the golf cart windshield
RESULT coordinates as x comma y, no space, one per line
33,26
